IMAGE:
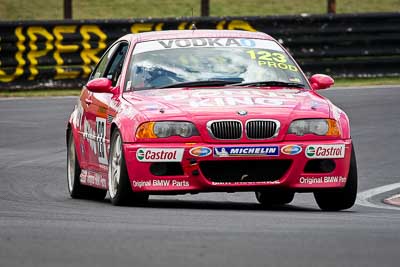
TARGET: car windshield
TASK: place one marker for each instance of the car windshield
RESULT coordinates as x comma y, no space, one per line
211,62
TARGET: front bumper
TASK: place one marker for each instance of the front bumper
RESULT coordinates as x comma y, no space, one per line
267,165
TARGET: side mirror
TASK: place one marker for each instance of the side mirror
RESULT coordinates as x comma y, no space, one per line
321,81
100,85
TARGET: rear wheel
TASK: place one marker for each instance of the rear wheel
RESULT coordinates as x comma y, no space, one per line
343,198
75,188
274,197
119,186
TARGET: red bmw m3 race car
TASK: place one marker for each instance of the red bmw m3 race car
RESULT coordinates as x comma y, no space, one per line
177,112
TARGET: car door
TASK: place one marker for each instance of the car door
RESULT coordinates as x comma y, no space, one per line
97,111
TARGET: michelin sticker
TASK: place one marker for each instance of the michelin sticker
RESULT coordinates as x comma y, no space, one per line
237,151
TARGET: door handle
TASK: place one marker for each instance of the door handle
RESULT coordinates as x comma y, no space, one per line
88,101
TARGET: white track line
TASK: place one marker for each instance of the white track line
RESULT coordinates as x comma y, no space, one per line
364,197
393,197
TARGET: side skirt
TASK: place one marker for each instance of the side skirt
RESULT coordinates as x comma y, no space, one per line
93,179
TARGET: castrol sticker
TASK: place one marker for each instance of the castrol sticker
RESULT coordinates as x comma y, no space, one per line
325,151
159,154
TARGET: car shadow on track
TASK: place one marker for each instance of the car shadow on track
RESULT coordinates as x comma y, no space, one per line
220,205
215,205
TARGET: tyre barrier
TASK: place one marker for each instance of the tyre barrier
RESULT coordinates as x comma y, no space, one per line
61,54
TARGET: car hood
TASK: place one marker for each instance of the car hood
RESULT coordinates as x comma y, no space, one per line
185,103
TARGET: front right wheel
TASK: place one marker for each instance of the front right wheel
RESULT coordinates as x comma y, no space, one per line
119,186
343,198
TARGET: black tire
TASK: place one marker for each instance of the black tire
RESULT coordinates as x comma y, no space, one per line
120,189
274,197
75,188
344,198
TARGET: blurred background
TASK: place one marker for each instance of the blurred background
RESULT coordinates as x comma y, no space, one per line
56,43
126,9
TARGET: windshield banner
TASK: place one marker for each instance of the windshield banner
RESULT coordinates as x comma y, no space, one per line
206,42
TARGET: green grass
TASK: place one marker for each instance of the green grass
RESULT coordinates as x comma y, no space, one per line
123,9
75,92
367,81
41,93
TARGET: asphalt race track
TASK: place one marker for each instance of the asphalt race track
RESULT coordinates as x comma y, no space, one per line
40,225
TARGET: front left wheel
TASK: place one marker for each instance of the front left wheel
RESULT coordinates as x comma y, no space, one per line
343,198
119,186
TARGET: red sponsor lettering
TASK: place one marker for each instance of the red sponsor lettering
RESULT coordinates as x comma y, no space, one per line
160,155
325,152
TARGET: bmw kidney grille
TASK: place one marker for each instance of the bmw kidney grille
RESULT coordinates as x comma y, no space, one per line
233,129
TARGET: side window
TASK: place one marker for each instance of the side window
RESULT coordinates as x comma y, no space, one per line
102,65
115,67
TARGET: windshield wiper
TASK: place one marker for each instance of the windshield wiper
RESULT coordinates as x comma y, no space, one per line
199,83
272,83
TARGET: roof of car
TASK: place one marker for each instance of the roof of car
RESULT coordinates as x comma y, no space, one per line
158,35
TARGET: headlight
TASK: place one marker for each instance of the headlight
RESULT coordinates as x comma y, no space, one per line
327,127
164,129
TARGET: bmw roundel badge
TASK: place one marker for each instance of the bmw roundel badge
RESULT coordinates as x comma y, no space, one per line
242,112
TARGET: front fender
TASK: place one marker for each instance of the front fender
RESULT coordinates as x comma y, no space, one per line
127,120
341,117
74,126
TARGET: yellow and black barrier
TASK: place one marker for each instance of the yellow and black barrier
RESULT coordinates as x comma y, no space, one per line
62,53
